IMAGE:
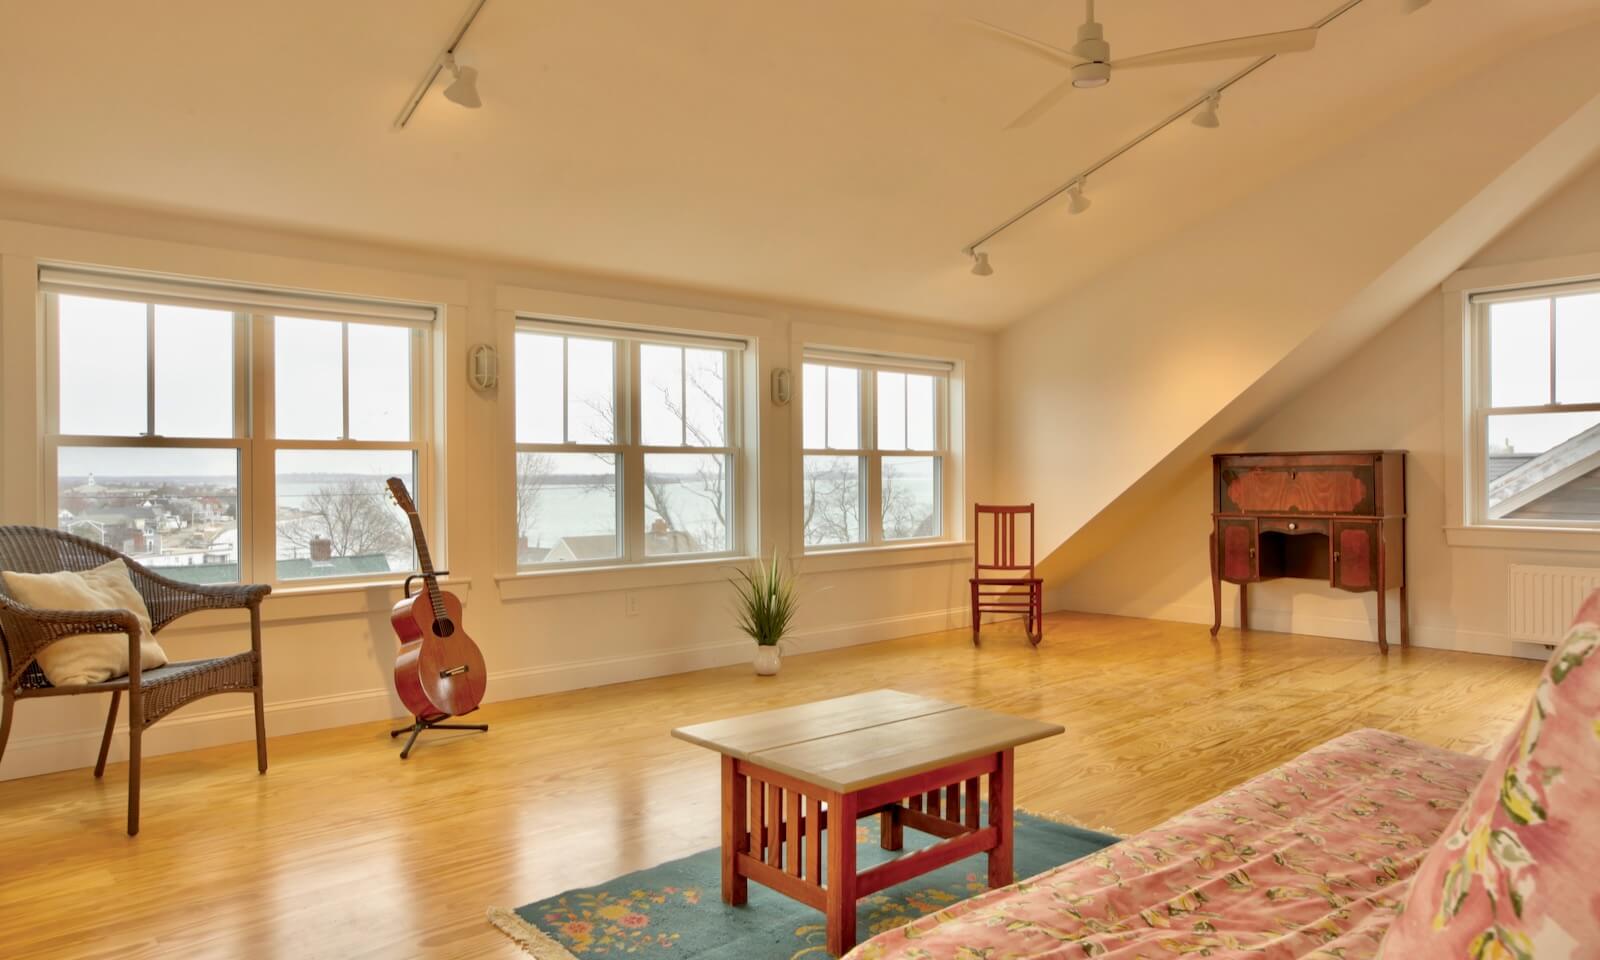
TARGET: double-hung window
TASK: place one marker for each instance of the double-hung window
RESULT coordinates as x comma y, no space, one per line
627,445
875,451
1535,406
224,434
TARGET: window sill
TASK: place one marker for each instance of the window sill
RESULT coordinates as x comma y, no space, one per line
901,555
318,602
533,584
1581,539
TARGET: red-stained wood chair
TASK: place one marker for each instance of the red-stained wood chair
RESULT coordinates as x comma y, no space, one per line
995,583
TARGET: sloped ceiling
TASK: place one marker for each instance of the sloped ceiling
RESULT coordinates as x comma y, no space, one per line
836,152
1113,391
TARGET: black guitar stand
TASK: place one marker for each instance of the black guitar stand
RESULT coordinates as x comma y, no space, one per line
430,723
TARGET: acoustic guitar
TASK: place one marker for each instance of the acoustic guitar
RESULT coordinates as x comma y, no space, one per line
439,671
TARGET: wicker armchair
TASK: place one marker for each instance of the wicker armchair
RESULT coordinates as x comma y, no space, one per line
152,694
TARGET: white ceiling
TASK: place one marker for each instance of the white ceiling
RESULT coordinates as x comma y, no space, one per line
831,152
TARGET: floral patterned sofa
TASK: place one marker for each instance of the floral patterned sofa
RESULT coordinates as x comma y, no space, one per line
1316,858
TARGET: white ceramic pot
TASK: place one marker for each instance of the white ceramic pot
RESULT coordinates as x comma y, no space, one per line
767,660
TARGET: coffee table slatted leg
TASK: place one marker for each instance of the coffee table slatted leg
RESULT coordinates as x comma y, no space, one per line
813,832
791,853
774,826
758,818
735,833
974,803
1001,785
841,889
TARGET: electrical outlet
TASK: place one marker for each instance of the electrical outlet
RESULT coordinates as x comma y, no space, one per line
630,604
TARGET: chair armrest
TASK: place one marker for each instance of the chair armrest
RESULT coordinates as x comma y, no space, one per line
27,630
169,599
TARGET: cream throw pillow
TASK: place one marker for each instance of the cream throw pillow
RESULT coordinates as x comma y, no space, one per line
94,657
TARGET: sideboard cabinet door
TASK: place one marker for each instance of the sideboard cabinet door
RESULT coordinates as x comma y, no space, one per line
1355,555
1236,550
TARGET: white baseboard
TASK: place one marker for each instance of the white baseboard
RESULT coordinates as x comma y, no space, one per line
1344,628
47,753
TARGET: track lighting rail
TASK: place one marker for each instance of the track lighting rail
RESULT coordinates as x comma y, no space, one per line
1079,178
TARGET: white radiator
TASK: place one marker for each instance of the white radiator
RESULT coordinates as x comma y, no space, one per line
1543,600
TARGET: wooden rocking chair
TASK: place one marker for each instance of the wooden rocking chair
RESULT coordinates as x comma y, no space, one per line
995,584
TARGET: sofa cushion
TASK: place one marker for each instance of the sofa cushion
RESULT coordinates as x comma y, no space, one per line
1308,859
94,657
1513,876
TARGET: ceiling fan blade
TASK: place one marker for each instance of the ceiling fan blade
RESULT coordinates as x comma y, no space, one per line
1042,105
1039,47
1260,45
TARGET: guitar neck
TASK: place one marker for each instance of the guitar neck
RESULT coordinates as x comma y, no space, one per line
429,579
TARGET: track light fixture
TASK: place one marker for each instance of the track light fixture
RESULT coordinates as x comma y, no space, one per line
980,264
463,86
464,89
1206,116
1076,201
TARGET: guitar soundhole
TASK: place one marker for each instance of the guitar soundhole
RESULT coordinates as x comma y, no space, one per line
443,628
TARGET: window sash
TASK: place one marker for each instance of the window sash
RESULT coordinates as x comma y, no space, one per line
871,457
627,400
254,387
1480,405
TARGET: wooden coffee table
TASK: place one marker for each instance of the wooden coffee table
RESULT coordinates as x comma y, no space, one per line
790,775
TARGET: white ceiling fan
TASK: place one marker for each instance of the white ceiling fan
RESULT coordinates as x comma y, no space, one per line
1091,64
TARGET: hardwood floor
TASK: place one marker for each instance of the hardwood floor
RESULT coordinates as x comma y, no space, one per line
343,851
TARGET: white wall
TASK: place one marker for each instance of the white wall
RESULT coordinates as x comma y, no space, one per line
328,654
1390,394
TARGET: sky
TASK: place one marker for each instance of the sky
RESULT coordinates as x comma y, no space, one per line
1520,371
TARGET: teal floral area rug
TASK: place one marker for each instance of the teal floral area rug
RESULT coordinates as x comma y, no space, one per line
675,911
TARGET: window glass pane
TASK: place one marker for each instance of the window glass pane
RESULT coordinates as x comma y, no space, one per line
540,384
591,395
194,372
706,406
685,503
309,358
335,517
1519,353
1578,349
176,510
661,406
380,382
814,392
922,412
566,507
891,411
1529,473
844,408
910,497
832,500
103,375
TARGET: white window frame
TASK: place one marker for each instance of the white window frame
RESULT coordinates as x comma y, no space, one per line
630,451
871,457
1479,405
254,385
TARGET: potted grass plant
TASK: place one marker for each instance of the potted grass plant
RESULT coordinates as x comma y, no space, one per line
765,607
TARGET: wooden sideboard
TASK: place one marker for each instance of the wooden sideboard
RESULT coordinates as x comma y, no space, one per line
1334,516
